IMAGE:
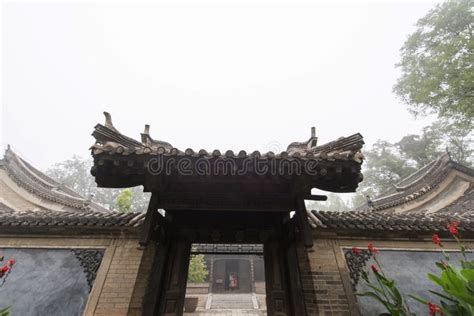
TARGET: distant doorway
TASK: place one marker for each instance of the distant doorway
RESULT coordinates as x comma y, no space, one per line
228,282
231,275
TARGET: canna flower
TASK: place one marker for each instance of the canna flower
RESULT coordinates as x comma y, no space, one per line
436,240
374,268
10,262
433,309
453,228
356,251
4,269
372,249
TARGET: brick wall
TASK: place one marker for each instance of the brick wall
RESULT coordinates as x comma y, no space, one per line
322,283
123,281
144,271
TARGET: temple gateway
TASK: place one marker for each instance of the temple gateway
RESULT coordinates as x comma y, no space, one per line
243,213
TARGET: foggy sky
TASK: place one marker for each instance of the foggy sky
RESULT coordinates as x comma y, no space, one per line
203,75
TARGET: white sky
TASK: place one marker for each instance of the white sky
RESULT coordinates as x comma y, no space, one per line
204,75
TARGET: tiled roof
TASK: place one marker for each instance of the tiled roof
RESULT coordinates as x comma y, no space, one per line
465,204
387,220
417,185
110,140
367,221
37,183
32,219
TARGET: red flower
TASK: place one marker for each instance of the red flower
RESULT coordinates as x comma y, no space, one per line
453,229
372,249
4,269
374,268
436,240
10,262
356,251
433,309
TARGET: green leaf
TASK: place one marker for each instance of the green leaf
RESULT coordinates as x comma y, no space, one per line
418,299
435,279
468,274
443,296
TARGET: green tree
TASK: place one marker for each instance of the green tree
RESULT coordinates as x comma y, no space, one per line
386,163
124,200
197,269
437,61
457,138
75,174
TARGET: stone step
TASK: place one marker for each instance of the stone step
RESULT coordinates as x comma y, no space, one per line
232,301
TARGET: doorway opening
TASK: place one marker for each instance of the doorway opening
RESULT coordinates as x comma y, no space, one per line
226,278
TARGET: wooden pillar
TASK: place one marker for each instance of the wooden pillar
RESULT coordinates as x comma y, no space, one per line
252,274
298,305
303,223
211,275
175,278
275,280
155,281
152,218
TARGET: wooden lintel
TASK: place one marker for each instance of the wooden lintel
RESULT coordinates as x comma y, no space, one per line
151,218
303,223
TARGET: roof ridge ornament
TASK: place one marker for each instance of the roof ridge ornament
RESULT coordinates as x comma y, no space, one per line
313,141
148,141
309,145
108,120
449,154
146,138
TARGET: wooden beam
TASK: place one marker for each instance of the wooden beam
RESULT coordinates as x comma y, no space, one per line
151,218
303,223
315,197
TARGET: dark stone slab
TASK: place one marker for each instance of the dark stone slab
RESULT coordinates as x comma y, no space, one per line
409,269
49,281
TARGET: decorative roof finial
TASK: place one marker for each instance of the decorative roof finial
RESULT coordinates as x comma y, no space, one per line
313,141
448,153
108,120
370,203
146,138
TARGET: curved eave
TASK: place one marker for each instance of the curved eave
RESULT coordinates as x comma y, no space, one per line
40,185
420,185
